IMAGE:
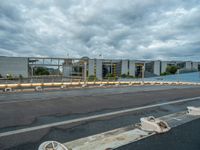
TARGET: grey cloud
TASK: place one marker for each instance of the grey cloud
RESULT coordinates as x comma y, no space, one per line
134,29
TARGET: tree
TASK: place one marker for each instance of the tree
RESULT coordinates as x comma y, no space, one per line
9,77
126,76
41,71
111,77
92,78
171,69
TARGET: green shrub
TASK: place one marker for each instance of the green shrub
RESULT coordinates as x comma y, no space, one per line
171,69
20,77
109,75
9,77
164,74
41,71
126,76
92,78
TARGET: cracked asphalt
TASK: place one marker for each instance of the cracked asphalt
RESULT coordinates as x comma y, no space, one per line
20,110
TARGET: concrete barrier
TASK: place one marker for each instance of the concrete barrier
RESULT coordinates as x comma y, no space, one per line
153,124
78,83
38,88
193,111
52,145
8,89
125,135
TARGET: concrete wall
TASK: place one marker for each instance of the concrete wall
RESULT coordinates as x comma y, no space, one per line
195,65
99,69
19,66
188,65
198,66
156,68
14,66
132,68
67,70
163,66
124,69
91,67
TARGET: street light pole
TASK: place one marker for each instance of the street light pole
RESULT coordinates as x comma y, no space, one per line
85,71
178,73
143,74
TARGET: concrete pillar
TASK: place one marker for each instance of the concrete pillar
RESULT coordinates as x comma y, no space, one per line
67,70
85,71
195,65
124,68
188,65
91,67
132,68
156,67
99,69
198,66
163,66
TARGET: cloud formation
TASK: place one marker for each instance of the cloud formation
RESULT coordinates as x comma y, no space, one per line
128,29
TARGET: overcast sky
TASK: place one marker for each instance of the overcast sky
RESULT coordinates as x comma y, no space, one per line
127,29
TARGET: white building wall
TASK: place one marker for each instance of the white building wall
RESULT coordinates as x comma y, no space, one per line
14,66
163,66
91,67
67,70
99,69
195,65
188,65
156,69
132,68
124,69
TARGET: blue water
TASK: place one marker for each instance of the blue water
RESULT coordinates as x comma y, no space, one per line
186,77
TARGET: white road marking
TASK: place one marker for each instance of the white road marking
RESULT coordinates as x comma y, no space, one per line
177,119
89,118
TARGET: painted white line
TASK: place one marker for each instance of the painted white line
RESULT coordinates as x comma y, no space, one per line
89,118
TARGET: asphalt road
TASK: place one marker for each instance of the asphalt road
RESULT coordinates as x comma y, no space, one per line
20,110
184,137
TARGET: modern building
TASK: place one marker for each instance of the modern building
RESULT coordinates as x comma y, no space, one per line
14,66
85,67
184,66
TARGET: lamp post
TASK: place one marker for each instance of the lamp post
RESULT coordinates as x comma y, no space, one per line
143,74
32,73
178,77
85,71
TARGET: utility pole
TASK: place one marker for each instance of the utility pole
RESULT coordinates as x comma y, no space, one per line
178,73
143,67
85,71
32,73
